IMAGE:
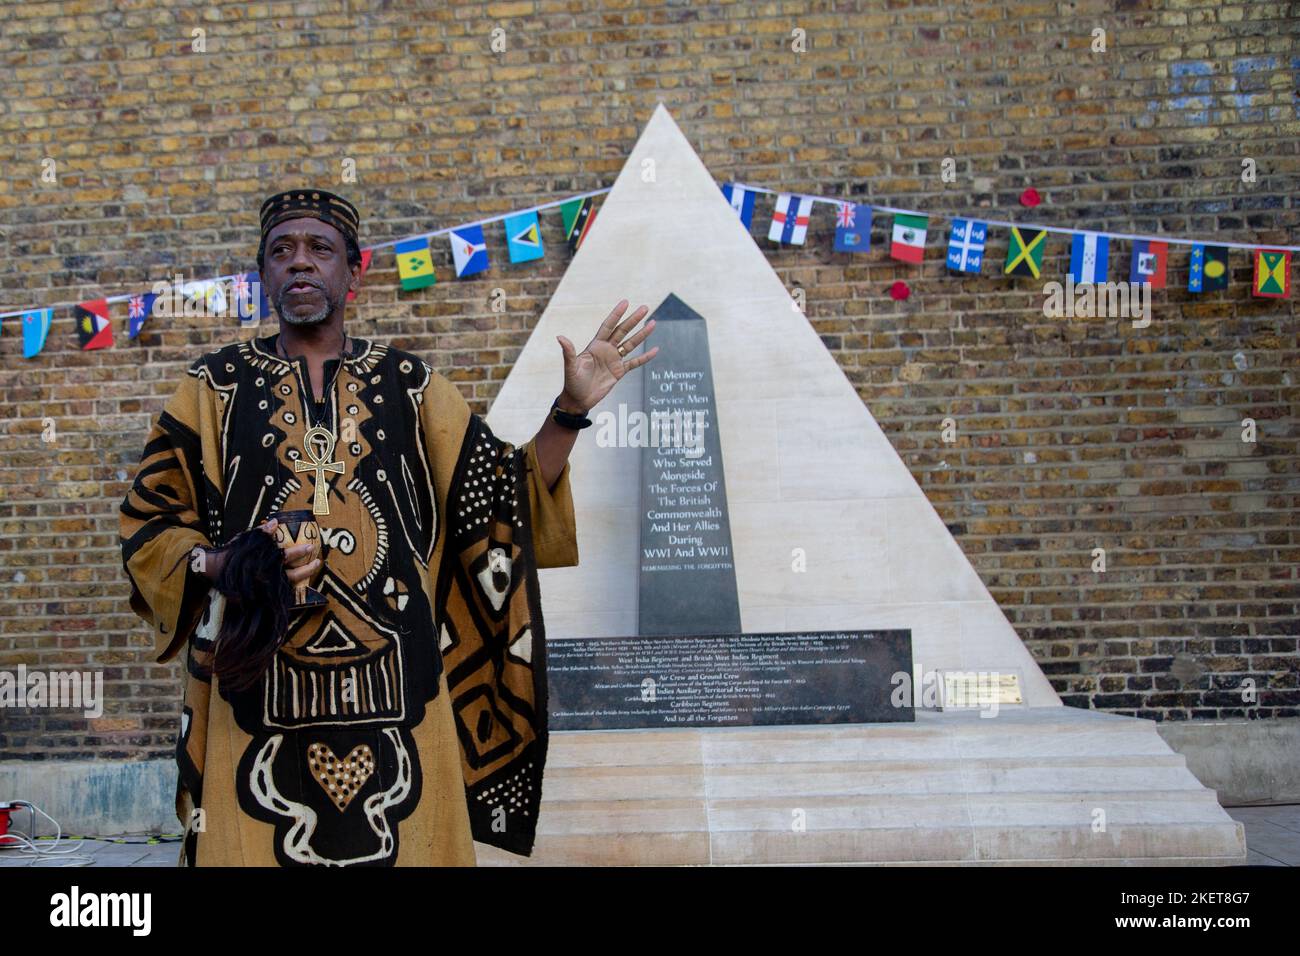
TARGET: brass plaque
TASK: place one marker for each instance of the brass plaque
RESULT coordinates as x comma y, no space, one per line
964,689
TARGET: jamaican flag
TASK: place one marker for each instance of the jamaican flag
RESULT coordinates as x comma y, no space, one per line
1025,252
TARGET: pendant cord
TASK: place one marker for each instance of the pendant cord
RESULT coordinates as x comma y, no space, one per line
333,386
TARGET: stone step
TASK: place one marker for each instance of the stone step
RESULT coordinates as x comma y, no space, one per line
955,775
1043,786
1120,844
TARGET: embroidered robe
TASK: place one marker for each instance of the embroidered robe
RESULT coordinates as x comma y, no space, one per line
405,717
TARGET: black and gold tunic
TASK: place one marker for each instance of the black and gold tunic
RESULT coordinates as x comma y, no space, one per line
406,717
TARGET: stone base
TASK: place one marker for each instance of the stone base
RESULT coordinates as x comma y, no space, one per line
1046,785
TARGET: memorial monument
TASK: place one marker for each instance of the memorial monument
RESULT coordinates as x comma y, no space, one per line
775,555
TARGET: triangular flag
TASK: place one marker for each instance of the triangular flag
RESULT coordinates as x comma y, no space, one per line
524,237
415,263
94,329
366,255
790,219
36,325
1272,273
468,250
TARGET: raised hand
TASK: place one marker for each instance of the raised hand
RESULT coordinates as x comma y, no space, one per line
590,374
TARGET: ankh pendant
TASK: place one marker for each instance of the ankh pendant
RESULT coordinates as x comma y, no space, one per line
318,443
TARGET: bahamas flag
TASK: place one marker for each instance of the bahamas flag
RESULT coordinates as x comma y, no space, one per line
415,263
742,200
578,216
36,325
365,264
852,227
524,237
1272,273
469,250
138,310
1025,252
93,327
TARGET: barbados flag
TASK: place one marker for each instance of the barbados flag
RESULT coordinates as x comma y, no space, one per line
138,310
36,325
415,263
524,237
1272,273
94,329
468,250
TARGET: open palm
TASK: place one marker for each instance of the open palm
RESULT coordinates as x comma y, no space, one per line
590,374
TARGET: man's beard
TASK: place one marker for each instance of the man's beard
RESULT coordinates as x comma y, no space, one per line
311,318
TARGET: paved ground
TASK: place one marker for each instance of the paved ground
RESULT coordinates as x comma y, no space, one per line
1272,839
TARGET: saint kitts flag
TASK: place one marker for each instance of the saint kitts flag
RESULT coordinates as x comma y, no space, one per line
93,327
908,241
1148,263
577,215
1272,273
468,250
415,263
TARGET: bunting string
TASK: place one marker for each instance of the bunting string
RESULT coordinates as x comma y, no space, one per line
1208,267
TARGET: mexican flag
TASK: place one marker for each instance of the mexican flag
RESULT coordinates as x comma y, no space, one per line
909,238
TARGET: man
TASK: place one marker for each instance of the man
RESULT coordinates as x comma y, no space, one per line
405,717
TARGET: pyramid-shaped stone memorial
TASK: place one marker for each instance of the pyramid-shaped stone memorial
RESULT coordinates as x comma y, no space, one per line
828,532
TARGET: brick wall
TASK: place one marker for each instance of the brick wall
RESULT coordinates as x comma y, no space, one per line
1071,434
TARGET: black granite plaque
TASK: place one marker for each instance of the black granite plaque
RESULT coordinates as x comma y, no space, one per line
828,677
688,578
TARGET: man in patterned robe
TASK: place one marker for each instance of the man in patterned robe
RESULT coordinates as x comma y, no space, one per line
406,716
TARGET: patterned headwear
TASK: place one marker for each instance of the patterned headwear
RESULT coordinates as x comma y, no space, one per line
311,204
